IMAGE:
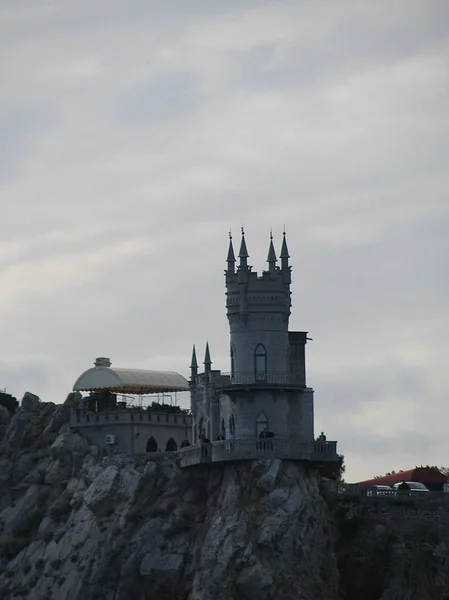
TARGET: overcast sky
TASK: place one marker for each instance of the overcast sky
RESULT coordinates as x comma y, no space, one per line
135,134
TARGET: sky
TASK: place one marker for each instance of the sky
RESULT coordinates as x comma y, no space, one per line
135,135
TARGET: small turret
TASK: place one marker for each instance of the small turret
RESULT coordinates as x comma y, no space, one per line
193,364
271,259
284,256
207,360
243,253
231,256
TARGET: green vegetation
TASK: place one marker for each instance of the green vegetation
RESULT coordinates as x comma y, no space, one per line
166,408
9,402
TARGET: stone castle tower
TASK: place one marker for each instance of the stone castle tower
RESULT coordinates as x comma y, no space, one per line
265,390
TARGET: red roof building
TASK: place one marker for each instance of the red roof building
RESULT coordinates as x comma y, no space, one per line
431,478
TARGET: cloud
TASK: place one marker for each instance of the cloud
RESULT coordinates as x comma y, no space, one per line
134,137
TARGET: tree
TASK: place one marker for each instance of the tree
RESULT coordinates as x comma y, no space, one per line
334,470
9,402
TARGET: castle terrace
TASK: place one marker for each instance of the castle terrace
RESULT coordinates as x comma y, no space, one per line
119,428
250,449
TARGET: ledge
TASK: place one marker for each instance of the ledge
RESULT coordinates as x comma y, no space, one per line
251,449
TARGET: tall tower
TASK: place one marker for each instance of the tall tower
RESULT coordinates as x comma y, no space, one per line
266,389
258,311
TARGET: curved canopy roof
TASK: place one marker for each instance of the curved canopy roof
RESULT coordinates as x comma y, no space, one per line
129,381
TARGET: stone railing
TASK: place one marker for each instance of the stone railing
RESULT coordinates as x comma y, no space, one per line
253,378
250,449
82,418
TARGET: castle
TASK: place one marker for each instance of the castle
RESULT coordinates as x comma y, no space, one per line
265,395
261,408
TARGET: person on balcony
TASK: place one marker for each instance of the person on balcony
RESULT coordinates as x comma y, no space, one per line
205,446
265,442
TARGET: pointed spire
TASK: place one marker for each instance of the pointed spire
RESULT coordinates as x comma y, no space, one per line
271,260
194,363
231,256
193,368
284,256
284,250
243,252
207,360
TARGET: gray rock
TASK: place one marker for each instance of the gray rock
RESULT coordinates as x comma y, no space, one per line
164,567
69,443
13,517
110,487
4,420
278,496
73,400
30,402
254,582
150,469
268,480
24,466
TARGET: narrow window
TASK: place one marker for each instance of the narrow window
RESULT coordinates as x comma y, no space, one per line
260,363
232,361
231,426
261,424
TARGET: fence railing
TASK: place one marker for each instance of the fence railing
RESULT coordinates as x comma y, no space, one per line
262,378
250,449
370,493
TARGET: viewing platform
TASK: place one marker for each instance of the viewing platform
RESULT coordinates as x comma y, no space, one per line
243,379
251,449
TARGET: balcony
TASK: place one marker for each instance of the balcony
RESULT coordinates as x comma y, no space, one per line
232,450
269,378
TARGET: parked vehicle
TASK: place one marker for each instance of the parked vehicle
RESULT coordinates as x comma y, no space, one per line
380,490
414,487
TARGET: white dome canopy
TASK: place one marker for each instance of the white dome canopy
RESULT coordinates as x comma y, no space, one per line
129,381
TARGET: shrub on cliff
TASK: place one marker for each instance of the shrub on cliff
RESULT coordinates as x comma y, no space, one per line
9,402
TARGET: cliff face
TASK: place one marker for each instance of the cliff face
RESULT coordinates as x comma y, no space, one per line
74,527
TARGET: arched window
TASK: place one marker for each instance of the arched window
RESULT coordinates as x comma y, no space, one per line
171,445
232,361
261,424
223,429
151,445
260,363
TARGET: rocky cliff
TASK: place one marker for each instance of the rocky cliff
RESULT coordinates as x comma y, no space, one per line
74,526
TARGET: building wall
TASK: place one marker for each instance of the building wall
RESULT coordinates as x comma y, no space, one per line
132,432
261,329
301,418
258,308
205,405
226,411
250,405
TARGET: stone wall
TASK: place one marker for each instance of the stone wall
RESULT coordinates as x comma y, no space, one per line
132,429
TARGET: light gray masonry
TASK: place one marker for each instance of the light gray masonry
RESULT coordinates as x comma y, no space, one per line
132,429
265,388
